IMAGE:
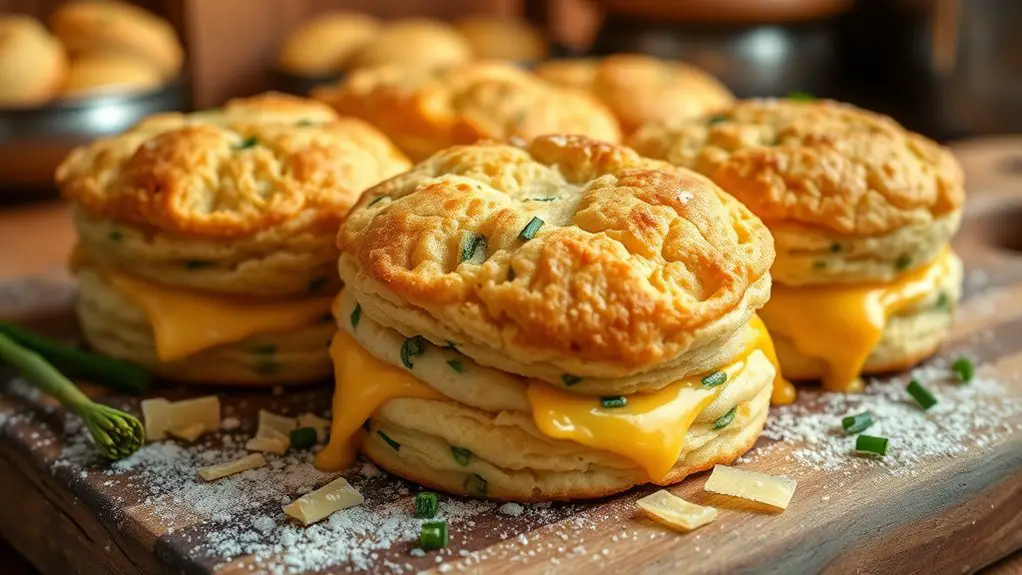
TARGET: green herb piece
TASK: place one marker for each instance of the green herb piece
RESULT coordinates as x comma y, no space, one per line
356,314
943,301
853,424
530,229
456,365
714,379
461,455
433,535
801,97
303,437
510,274
316,284
903,262
197,264
612,402
249,142
819,265
412,347
115,374
835,248
304,123
115,236
923,397
717,119
871,444
426,505
472,244
376,200
386,438
264,349
368,423
266,367
475,483
964,369
570,380
726,419
549,199
116,434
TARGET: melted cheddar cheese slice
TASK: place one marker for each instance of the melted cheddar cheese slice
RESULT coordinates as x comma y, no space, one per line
842,324
185,322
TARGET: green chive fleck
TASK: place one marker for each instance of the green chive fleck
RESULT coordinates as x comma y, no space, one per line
249,142
376,200
303,437
943,301
264,349
615,401
472,244
433,535
714,379
475,483
964,369
386,438
923,397
303,123
835,247
316,284
356,314
549,199
819,265
197,264
570,380
871,444
456,365
530,229
412,347
726,419
801,97
903,262
717,119
115,236
858,423
426,505
461,455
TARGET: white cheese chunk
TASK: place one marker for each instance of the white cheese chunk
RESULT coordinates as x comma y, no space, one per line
768,489
161,415
278,423
188,433
315,506
675,512
214,472
318,423
267,445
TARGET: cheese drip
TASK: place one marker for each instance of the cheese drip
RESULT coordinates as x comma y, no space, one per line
843,324
186,322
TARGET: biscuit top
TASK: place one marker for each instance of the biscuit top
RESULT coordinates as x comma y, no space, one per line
820,164
253,165
502,38
641,89
566,247
325,43
426,110
415,42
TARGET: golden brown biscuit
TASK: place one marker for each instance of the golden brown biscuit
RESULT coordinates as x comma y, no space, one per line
324,44
109,72
32,62
414,42
502,38
641,89
105,26
424,111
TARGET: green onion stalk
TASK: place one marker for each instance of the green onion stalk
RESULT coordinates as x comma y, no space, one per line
117,434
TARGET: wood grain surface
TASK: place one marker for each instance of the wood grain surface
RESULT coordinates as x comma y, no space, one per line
951,515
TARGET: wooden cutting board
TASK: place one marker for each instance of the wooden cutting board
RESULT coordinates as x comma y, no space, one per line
68,512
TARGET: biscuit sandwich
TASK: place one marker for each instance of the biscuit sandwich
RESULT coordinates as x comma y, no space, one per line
560,319
206,242
425,110
862,212
641,89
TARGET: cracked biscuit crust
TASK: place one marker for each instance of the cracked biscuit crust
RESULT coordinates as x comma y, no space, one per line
566,248
821,164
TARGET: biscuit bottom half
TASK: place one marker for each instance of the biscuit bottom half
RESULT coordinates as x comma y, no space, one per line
117,326
836,333
433,415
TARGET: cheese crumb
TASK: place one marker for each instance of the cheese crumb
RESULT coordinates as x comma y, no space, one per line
768,489
316,506
215,472
188,433
266,445
512,509
673,511
161,415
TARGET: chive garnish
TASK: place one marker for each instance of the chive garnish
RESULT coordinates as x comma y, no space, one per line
456,365
264,349
871,444
903,262
801,97
549,199
316,284
530,229
433,535
356,314
197,264
923,397
303,437
964,369
714,379
471,245
461,455
570,380
386,438
819,265
303,123
726,419
413,346
475,483
717,119
835,247
858,423
248,142
943,301
426,505
615,401
376,200
115,236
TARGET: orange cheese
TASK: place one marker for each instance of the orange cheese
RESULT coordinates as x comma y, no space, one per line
841,324
185,322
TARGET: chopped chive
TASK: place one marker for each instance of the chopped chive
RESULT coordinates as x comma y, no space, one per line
871,444
475,483
923,397
801,97
570,380
264,349
964,369
530,229
510,274
367,424
819,265
858,423
943,301
115,236
717,119
426,505
549,199
714,379
614,401
835,247
412,347
303,437
197,264
376,200
303,123
461,455
456,365
249,142
903,262
356,314
471,245
726,419
386,438
433,535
